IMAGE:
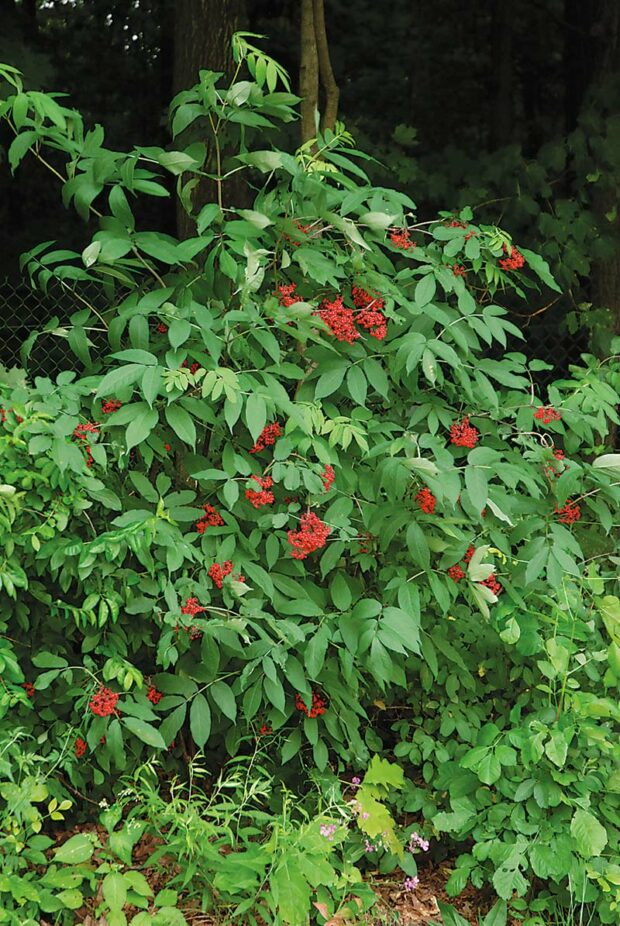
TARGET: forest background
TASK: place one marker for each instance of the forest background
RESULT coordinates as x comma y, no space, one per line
511,108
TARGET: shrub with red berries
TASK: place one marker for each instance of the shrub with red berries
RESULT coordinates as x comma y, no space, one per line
347,341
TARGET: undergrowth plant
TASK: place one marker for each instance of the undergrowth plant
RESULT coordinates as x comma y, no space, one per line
294,491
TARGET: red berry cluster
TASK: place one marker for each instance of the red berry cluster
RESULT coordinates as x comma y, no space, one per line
29,689
456,224
463,434
365,541
287,294
265,729
3,414
265,496
515,261
493,584
549,469
210,518
108,406
370,315
219,572
79,747
193,368
267,437
339,319
327,476
319,705
401,238
104,702
153,695
304,229
568,513
312,536
81,433
458,270
547,414
456,573
192,607
163,329
426,500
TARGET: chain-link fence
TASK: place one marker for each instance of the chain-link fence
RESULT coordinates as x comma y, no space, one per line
24,311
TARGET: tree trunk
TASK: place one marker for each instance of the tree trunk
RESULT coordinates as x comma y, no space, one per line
308,72
330,87
202,33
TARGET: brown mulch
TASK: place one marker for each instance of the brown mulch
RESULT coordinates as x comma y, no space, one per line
395,906
414,908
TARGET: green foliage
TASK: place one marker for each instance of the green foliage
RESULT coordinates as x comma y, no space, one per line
181,570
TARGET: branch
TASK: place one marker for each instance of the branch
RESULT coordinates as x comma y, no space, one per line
332,91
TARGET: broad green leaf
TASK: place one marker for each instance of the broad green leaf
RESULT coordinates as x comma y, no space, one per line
425,290
200,720
141,426
75,850
224,698
114,890
182,424
589,835
144,731
179,331
119,378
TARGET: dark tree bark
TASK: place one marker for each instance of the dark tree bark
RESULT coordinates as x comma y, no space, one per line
308,72
202,33
315,65
326,72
